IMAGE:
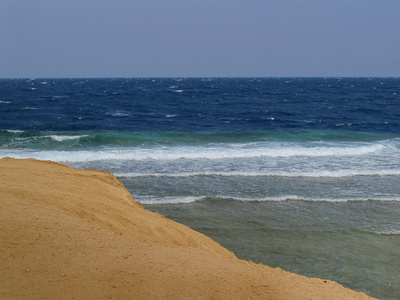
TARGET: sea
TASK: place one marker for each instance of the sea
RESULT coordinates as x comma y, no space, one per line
297,173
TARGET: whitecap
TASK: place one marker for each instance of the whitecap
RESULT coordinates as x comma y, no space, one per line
191,199
14,131
386,232
119,113
167,200
61,138
237,151
309,174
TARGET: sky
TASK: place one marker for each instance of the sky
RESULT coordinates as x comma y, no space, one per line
199,38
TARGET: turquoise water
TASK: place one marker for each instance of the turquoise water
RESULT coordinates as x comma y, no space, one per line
297,173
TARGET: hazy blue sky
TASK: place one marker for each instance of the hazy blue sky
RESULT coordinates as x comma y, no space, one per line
142,38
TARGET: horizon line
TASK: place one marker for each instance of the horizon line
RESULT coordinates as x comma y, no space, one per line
196,77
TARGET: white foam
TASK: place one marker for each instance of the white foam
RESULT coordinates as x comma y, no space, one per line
236,151
310,173
268,151
214,153
14,131
289,198
60,138
386,232
183,200
6,102
120,114
167,200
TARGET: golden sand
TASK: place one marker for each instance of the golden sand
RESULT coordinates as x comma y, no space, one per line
78,234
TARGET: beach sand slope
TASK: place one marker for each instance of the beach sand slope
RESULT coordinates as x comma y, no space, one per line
78,234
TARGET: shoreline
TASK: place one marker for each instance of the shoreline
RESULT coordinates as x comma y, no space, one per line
79,233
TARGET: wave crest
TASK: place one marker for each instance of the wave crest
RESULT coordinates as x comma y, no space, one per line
179,200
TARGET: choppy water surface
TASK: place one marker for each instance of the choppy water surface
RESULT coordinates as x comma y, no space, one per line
302,174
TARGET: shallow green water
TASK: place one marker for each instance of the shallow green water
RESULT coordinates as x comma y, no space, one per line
354,243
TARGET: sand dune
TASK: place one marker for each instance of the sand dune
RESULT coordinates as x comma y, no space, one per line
78,234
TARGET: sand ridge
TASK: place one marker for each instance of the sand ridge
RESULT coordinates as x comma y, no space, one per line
78,234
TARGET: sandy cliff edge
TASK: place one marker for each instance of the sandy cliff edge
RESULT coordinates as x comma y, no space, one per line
67,233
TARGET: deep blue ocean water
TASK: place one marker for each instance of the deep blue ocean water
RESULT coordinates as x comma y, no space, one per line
297,173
